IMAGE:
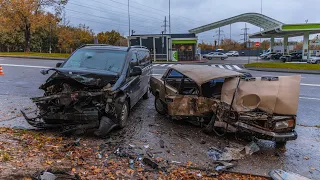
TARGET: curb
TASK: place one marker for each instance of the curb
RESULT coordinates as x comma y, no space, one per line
36,57
283,70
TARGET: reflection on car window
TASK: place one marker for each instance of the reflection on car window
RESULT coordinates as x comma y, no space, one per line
97,59
175,74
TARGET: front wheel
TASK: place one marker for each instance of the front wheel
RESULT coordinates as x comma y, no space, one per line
318,62
122,114
160,106
209,58
222,58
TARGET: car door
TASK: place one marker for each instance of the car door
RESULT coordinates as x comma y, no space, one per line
145,63
133,84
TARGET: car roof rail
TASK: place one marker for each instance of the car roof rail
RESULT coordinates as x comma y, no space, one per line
94,45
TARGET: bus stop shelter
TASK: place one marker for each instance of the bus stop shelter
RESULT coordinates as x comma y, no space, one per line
271,28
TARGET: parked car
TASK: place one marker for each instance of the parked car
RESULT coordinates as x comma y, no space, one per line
274,56
314,60
264,55
232,53
261,106
286,58
291,57
95,88
215,55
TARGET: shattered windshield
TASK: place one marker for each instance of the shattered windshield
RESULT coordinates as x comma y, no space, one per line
99,59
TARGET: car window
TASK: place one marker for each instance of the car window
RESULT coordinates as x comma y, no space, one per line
99,59
220,53
174,74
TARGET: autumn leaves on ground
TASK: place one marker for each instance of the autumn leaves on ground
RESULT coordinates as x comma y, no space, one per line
24,153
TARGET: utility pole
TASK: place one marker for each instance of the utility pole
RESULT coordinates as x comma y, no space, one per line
230,31
245,34
165,25
129,15
50,38
169,17
219,33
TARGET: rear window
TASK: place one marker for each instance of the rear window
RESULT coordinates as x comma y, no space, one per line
175,74
99,59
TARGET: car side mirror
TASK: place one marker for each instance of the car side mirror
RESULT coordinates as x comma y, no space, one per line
136,71
58,64
44,71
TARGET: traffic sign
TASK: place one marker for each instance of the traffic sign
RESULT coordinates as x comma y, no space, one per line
257,44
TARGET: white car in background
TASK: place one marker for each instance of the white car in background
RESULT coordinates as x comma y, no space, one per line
215,55
232,53
314,60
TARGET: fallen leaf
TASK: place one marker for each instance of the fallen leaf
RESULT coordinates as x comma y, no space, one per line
306,158
49,162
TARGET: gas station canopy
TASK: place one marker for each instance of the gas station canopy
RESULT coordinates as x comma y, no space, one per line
290,30
256,19
271,27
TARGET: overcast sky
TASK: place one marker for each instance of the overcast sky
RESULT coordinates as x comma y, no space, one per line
147,16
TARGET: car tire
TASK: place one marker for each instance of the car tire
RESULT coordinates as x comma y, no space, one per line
318,62
122,110
209,58
160,106
280,144
146,95
222,58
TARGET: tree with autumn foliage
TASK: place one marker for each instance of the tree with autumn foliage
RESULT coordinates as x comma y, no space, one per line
112,37
27,15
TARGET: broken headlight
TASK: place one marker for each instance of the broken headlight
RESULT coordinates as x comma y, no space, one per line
284,124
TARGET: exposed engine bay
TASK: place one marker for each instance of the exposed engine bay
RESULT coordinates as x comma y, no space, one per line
75,101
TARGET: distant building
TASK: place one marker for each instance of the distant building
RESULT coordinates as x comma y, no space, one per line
169,47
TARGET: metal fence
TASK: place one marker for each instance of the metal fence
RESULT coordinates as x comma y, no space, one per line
241,52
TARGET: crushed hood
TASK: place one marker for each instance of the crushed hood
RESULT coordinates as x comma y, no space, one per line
80,78
274,97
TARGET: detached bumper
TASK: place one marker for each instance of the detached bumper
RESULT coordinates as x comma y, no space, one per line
278,137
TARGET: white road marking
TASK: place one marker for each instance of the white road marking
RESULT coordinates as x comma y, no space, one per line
163,65
170,65
28,66
155,64
318,99
220,66
314,85
237,67
156,74
229,67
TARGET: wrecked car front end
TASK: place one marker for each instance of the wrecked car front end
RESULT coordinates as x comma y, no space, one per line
264,107
75,98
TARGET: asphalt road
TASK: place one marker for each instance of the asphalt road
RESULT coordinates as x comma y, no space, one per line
22,78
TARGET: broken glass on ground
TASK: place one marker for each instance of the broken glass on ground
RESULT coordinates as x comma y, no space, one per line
227,154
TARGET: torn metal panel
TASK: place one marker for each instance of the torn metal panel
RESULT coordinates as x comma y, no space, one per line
274,97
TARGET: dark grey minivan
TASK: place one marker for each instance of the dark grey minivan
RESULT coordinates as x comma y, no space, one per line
96,87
